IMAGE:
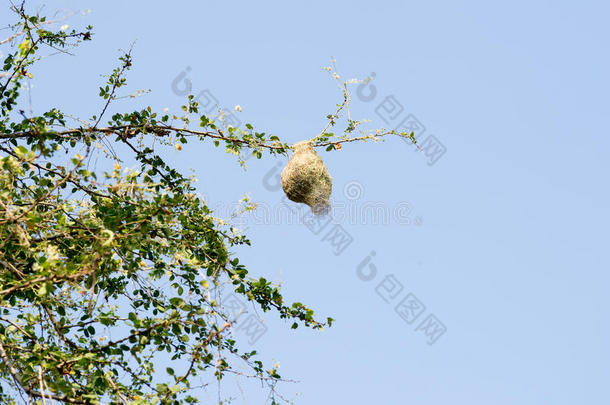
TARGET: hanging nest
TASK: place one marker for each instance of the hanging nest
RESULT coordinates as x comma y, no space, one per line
305,179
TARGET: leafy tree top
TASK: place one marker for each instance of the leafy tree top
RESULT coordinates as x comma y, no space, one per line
135,254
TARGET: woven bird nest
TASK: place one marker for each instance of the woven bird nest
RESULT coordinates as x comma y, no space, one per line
305,179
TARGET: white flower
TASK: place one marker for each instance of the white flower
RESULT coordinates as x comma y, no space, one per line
237,108
51,253
64,27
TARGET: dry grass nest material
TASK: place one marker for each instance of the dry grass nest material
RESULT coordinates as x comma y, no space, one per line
305,179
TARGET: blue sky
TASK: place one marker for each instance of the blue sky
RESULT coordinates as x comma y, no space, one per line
506,237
